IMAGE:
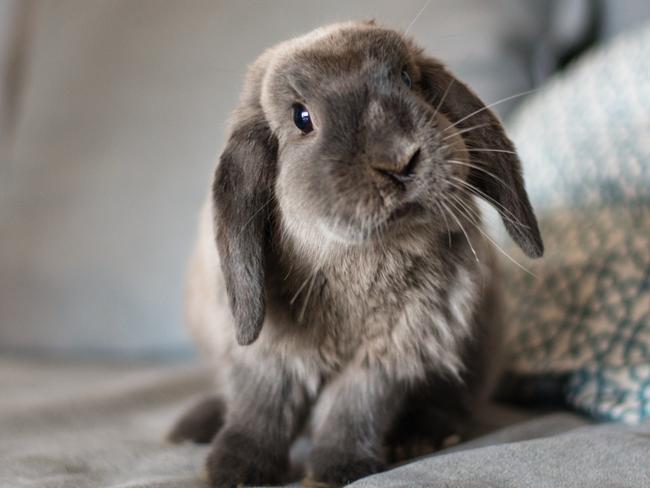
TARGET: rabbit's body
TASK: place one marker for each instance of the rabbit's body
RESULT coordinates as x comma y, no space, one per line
351,283
379,305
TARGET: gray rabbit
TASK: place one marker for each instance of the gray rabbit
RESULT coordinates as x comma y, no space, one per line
351,290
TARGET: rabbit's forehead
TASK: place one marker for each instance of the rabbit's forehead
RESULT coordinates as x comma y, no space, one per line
349,50
310,63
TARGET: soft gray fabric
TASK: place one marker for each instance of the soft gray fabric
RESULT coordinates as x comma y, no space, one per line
92,425
605,456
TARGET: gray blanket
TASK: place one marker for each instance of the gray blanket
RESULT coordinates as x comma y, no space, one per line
94,425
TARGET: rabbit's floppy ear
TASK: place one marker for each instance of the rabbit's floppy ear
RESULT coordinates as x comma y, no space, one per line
243,192
499,179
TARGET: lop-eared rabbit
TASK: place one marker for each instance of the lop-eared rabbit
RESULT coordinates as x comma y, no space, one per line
342,283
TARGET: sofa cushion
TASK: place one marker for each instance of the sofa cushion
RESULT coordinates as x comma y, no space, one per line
581,326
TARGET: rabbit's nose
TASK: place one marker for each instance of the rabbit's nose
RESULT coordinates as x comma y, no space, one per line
401,170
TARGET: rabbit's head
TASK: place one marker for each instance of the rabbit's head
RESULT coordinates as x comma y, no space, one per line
351,132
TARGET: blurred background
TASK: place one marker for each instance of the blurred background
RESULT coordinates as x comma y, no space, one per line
112,114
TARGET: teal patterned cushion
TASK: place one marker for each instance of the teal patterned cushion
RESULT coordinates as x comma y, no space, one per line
580,329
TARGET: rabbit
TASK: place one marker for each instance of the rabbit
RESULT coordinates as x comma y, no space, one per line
341,282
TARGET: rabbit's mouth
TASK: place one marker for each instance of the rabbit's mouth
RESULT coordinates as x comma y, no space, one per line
410,210
365,231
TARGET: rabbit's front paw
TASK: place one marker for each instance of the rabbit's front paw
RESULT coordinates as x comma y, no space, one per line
335,467
200,423
239,458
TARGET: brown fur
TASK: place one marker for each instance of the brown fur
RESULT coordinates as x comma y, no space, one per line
341,288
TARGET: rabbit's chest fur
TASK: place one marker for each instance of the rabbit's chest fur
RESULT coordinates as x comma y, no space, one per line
407,308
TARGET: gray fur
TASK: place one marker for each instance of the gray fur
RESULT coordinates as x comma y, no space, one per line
340,267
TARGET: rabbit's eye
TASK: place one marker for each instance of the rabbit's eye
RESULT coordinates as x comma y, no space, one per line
302,119
406,79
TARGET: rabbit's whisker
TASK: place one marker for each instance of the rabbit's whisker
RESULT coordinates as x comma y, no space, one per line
444,147
488,150
472,214
417,16
248,222
442,99
300,288
444,216
493,104
478,168
463,131
311,286
471,189
453,215
289,270
478,227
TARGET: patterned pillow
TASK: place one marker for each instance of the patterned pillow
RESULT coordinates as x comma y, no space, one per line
580,329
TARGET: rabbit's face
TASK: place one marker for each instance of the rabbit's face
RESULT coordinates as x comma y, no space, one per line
360,149
356,135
